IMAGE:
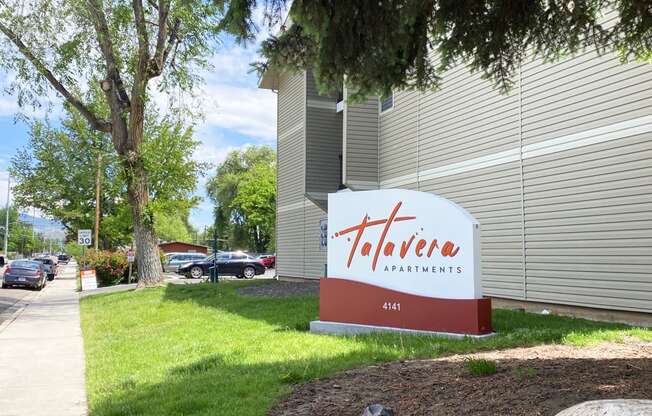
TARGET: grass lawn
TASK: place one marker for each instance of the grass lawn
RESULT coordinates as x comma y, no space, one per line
205,350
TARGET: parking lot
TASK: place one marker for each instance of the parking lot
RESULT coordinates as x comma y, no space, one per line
269,274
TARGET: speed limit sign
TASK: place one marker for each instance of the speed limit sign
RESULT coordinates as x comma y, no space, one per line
84,237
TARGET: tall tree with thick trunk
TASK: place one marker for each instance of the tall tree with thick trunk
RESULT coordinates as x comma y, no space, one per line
122,45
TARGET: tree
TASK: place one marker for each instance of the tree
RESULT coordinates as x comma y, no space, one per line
244,191
21,238
256,200
389,44
73,46
55,173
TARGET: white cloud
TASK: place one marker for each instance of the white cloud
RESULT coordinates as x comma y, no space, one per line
246,110
3,188
50,104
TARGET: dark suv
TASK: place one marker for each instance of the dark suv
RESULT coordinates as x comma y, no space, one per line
49,265
232,263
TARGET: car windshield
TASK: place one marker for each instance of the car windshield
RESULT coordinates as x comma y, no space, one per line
25,264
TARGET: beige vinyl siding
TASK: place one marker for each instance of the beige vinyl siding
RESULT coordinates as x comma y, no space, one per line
291,174
291,138
314,257
493,196
323,144
398,137
289,242
466,119
578,213
361,144
578,94
588,225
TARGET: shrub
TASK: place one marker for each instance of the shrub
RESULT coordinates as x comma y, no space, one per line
111,267
480,366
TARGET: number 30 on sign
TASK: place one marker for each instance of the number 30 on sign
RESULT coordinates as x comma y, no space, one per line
84,237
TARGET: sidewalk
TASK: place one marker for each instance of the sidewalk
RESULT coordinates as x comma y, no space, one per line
42,354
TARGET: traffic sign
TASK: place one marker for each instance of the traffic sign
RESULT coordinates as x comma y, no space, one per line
131,256
84,237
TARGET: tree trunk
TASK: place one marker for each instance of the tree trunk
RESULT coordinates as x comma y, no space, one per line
150,272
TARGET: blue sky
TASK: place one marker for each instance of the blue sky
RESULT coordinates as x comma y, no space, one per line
236,114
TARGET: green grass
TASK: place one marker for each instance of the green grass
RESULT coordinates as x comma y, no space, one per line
480,366
205,350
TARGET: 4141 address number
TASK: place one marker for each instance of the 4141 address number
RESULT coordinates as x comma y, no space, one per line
392,306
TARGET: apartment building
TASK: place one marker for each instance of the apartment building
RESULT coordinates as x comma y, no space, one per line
558,172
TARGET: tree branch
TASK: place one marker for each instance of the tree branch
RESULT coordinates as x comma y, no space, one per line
106,46
96,123
165,42
141,30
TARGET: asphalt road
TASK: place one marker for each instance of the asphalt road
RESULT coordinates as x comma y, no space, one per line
8,297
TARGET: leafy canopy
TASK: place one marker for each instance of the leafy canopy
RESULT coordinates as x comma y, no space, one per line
380,45
244,191
56,173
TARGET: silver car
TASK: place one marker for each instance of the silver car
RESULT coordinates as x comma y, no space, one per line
178,259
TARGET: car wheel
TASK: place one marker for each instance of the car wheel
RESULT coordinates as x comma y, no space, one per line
249,272
5,286
196,272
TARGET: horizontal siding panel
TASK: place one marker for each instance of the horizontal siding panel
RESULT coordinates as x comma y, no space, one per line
314,257
361,138
289,243
578,94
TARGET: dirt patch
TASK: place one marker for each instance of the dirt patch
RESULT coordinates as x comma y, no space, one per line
280,289
530,381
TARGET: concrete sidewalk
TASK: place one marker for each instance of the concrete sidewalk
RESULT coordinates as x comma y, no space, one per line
42,354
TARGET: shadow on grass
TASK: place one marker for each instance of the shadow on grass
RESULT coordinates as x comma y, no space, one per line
291,313
263,356
217,386
515,328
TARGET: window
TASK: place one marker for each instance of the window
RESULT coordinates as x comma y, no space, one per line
239,256
386,103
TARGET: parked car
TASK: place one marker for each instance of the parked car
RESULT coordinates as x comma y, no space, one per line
64,258
174,261
49,265
233,263
25,273
268,260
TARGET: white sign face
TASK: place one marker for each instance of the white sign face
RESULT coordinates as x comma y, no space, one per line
131,256
84,237
88,280
408,241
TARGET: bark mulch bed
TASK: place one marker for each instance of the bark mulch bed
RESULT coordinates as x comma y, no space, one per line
282,289
530,381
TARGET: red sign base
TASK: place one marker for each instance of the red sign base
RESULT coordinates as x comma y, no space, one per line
352,302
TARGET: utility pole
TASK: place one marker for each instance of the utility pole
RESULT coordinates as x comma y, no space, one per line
6,247
98,185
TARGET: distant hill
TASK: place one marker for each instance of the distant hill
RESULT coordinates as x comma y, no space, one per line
49,228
